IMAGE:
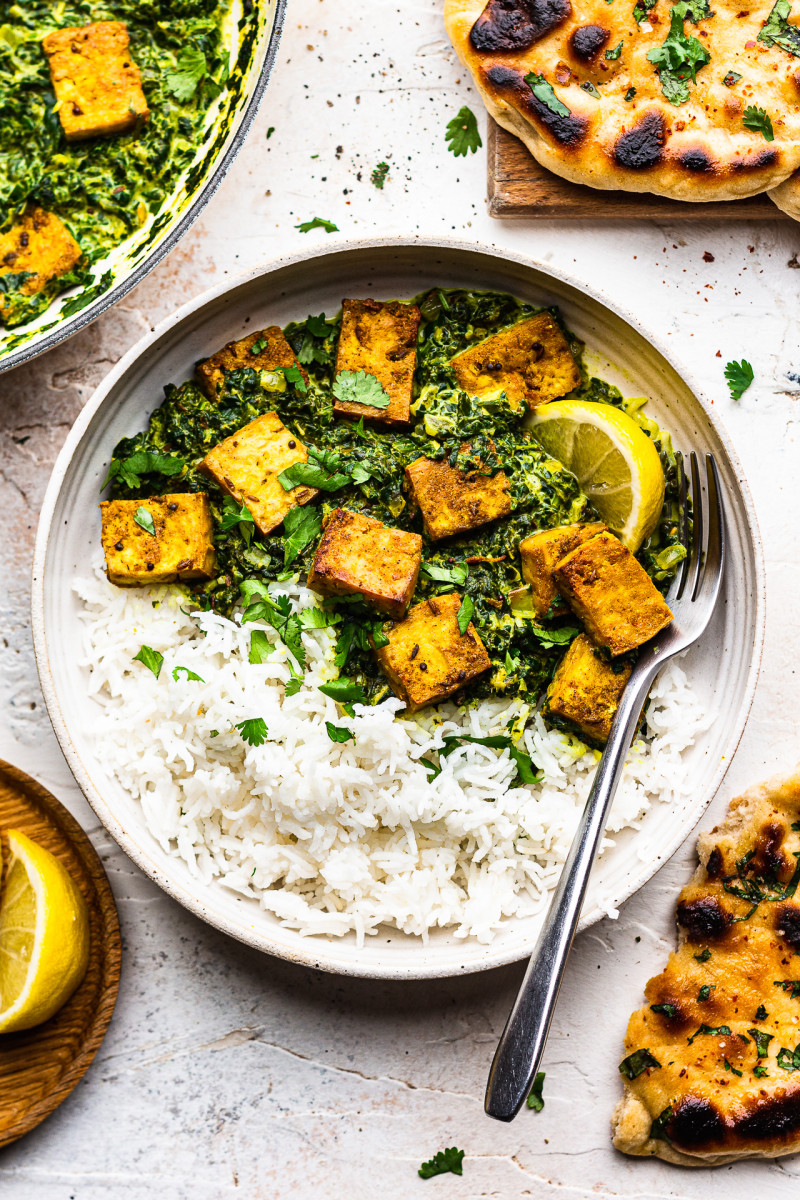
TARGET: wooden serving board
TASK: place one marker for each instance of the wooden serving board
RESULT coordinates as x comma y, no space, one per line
519,187
40,1067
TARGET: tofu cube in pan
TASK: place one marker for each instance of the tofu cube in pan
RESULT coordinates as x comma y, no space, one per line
585,692
612,594
452,501
531,363
427,658
271,352
540,552
40,248
359,556
181,548
247,465
97,84
379,339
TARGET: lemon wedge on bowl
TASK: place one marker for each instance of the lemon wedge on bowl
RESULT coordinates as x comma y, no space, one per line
613,459
44,935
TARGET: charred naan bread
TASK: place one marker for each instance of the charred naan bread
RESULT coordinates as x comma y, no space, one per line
712,1066
642,95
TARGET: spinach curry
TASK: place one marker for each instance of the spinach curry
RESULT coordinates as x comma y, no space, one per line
101,188
361,469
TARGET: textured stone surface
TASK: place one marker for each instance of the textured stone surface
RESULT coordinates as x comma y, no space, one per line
229,1074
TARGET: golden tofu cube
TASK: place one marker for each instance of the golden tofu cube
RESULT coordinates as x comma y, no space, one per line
97,84
247,465
541,551
182,547
612,594
585,692
427,659
531,363
360,555
453,501
380,339
38,246
264,350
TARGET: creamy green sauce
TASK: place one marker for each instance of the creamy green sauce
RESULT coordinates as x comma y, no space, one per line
524,653
103,189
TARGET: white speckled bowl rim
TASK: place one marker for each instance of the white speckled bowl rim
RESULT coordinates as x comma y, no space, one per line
724,667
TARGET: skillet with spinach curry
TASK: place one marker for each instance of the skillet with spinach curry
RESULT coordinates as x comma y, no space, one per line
360,467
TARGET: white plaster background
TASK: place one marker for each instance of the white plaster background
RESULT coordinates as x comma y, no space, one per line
229,1074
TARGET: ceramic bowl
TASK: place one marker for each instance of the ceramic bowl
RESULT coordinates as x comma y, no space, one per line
227,122
722,668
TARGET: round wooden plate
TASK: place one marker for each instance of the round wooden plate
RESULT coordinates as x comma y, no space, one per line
40,1067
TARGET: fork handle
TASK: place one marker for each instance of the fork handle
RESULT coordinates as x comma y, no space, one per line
520,1049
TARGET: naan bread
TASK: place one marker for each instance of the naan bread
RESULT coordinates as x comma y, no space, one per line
697,150
725,1080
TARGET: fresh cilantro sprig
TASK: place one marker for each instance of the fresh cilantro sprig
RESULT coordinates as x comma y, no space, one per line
344,691
142,462
679,58
151,659
443,1161
234,514
525,772
548,638
190,67
191,677
261,647
144,519
535,1098
301,525
277,612
253,731
462,134
739,376
758,121
339,733
359,387
543,91
317,223
457,574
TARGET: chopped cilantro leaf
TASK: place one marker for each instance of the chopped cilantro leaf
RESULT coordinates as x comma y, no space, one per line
703,956
658,1130
728,1067
190,675
762,1041
739,376
761,1013
456,574
705,992
261,647
789,1060
757,120
339,733
543,91
317,223
792,986
143,462
234,514
535,1098
301,525
722,1030
761,1072
548,638
144,520
322,471
359,387
638,1062
150,659
631,92
253,731
731,78
779,31
465,614
378,176
445,1160
462,134
615,53
344,691
667,1010
679,58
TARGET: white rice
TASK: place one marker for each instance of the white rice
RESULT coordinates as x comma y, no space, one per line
333,837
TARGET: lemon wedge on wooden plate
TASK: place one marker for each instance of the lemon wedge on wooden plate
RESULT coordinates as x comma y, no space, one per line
613,459
44,935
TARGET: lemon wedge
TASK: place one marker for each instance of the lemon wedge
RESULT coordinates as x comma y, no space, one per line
613,459
44,935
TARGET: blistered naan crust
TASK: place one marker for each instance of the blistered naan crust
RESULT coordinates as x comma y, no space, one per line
697,151
719,1116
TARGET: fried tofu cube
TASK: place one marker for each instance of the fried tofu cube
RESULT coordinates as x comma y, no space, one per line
97,84
181,548
39,247
531,363
541,551
264,350
427,659
381,340
247,465
453,501
604,585
585,692
358,555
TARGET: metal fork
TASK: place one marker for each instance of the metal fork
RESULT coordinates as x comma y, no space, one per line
693,599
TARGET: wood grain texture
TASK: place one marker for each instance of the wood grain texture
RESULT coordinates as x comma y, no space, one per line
519,187
40,1067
